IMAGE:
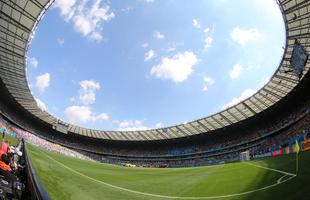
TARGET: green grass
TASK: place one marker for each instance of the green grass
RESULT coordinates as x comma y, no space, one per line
70,178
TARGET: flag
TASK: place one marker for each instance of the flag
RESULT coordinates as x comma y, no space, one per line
297,147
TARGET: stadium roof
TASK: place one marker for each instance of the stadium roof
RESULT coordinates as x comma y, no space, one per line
19,19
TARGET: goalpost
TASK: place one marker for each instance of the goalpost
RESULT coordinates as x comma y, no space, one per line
245,156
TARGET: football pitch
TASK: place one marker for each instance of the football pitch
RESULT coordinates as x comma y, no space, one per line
262,179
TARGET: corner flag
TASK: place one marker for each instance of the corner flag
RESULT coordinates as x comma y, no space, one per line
297,147
297,152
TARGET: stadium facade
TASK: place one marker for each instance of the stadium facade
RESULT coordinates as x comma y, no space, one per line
257,123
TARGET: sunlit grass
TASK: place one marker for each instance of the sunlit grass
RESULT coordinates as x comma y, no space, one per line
71,178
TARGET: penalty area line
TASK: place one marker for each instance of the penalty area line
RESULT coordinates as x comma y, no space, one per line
164,196
270,169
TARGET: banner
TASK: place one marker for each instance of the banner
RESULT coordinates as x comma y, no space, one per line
287,150
277,152
305,145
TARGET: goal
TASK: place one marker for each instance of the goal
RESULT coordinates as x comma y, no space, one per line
245,155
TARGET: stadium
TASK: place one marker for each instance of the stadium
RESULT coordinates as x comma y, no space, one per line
256,149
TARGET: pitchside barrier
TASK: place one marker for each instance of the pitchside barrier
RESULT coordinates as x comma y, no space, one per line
306,145
34,185
291,148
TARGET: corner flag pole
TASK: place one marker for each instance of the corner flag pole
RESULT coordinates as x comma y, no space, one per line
296,163
297,152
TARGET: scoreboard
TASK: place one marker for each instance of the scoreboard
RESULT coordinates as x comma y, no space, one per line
298,59
61,128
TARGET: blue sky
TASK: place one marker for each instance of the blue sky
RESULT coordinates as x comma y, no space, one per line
139,64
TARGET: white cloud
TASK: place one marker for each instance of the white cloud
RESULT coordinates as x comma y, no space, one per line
40,104
269,6
149,1
87,96
208,42
159,125
149,55
87,17
33,62
171,48
60,41
158,35
87,91
66,8
83,114
176,68
127,9
208,81
206,30
236,71
145,45
244,36
196,24
131,125
205,88
134,125
42,82
245,94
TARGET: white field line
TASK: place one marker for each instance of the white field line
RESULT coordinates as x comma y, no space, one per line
164,196
280,179
270,169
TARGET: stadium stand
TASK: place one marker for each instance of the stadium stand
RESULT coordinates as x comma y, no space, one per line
267,136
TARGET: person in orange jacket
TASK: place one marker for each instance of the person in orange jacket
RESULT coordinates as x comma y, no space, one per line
4,162
5,169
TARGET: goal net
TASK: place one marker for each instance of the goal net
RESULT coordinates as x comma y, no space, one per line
245,155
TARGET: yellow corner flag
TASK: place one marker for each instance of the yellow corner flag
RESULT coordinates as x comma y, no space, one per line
297,147
297,152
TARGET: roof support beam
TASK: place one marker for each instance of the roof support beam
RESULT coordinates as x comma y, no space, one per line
224,117
249,108
15,22
268,98
210,124
255,104
203,126
296,81
180,130
282,83
10,52
277,89
191,133
173,132
194,127
217,121
296,7
272,93
12,34
242,113
234,116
